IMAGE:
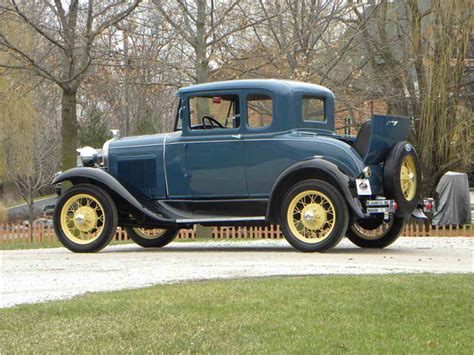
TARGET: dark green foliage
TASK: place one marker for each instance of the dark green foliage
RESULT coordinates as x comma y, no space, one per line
94,132
145,124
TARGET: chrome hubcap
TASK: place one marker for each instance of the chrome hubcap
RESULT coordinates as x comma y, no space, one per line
309,216
79,219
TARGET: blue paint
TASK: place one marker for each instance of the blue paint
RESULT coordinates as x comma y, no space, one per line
245,162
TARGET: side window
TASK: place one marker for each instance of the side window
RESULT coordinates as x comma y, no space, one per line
214,112
259,110
312,109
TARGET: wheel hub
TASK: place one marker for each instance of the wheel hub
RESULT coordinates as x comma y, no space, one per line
314,216
408,178
85,218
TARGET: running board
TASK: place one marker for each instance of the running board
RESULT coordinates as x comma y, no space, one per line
220,219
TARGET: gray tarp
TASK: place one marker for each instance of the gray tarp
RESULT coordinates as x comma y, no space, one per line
453,205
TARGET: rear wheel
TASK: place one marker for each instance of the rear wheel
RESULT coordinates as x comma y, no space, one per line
85,218
152,238
313,216
362,235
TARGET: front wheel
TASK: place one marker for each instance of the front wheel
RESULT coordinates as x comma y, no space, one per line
384,235
85,218
152,238
314,216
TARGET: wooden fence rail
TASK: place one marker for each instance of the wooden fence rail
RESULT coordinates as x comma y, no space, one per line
14,233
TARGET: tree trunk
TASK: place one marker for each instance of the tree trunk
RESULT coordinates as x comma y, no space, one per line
202,76
202,62
126,83
69,129
30,218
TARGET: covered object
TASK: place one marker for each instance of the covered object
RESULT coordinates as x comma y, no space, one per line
453,203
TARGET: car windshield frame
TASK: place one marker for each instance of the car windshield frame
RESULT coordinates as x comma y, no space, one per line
178,123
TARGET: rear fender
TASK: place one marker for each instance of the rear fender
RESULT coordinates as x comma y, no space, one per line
316,168
88,175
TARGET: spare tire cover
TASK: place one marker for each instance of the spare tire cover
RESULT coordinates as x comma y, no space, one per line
402,177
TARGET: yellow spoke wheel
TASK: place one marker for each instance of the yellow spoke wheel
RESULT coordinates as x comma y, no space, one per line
151,237
85,218
151,234
311,216
82,218
408,178
372,234
314,216
380,237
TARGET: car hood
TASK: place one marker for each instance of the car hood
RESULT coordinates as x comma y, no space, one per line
139,141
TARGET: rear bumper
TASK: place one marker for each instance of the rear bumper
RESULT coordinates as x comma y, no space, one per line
380,206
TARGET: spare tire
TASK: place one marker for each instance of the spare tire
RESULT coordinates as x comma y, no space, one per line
402,177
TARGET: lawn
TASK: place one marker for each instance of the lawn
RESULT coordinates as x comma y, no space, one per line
47,244
325,314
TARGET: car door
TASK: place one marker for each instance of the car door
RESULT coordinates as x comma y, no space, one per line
213,145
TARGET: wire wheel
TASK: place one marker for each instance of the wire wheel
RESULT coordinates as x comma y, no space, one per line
372,234
147,233
408,177
82,218
311,216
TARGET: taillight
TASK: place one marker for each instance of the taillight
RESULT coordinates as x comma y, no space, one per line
395,205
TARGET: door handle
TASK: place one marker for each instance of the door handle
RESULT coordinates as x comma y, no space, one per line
237,136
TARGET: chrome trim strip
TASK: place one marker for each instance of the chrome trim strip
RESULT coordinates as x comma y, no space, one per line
220,219
139,146
105,153
164,164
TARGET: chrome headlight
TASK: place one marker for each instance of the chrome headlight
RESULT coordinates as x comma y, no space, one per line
88,156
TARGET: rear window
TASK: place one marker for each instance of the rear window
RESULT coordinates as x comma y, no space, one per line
259,110
312,109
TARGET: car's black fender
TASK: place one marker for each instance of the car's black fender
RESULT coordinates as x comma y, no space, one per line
84,175
315,168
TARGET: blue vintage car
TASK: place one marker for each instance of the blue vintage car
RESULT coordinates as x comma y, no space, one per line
247,152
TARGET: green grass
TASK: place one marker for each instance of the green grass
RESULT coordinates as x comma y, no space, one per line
47,244
22,202
325,314
18,246
57,244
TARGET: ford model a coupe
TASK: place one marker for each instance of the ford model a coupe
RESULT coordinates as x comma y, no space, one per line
249,152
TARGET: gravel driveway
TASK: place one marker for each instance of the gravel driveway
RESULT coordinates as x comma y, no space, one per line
30,276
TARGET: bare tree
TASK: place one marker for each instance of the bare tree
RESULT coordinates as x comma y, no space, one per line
135,83
204,26
40,168
417,56
70,33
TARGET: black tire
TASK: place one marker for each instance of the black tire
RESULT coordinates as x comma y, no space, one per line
392,181
371,223
336,225
107,227
390,235
163,239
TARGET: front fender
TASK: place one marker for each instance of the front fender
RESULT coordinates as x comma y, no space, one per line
86,175
314,168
